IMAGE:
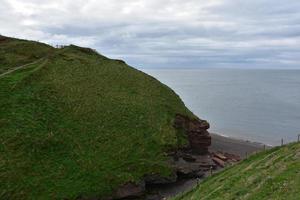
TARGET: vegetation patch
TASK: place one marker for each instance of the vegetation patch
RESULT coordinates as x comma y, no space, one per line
273,174
76,123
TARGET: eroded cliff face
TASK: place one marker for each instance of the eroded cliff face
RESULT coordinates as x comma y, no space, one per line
196,130
192,162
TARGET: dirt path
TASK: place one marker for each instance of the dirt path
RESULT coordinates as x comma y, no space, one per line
20,67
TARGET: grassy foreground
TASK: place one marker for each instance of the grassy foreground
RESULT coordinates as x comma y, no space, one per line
274,174
76,123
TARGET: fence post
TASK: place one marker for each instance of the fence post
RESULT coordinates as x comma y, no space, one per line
282,142
264,147
211,168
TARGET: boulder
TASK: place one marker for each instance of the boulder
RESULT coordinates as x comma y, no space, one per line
233,157
218,161
220,156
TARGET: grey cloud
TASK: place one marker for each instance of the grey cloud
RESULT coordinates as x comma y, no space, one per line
166,33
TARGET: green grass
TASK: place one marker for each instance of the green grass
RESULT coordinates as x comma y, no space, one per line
79,124
274,174
15,52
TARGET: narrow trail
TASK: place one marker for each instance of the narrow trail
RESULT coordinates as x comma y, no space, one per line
20,67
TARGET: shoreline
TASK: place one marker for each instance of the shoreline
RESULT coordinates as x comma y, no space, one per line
220,143
235,146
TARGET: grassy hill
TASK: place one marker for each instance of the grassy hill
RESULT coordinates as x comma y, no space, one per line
15,52
75,123
274,174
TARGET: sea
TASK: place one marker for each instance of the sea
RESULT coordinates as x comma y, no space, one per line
259,105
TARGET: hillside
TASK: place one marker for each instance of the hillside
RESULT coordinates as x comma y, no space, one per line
274,174
14,52
77,124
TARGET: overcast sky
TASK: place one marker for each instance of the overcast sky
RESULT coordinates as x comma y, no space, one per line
166,33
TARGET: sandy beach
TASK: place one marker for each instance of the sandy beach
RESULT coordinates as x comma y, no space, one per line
234,146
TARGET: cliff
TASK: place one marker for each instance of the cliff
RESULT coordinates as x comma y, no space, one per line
76,124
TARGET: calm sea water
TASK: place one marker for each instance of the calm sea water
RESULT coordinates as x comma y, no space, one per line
255,105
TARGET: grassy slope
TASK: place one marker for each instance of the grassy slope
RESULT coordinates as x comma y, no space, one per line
77,123
15,52
274,174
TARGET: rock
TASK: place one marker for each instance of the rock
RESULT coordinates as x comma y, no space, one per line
153,197
220,156
207,165
130,190
189,158
190,173
200,174
186,169
218,161
196,130
154,179
233,157
199,143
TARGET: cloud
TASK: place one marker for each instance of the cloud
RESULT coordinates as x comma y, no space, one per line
165,33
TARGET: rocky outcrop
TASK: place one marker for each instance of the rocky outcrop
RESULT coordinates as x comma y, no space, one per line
196,130
130,190
156,179
192,162
224,159
188,170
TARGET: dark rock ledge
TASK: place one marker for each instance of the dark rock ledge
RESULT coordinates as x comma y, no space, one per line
191,162
196,130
